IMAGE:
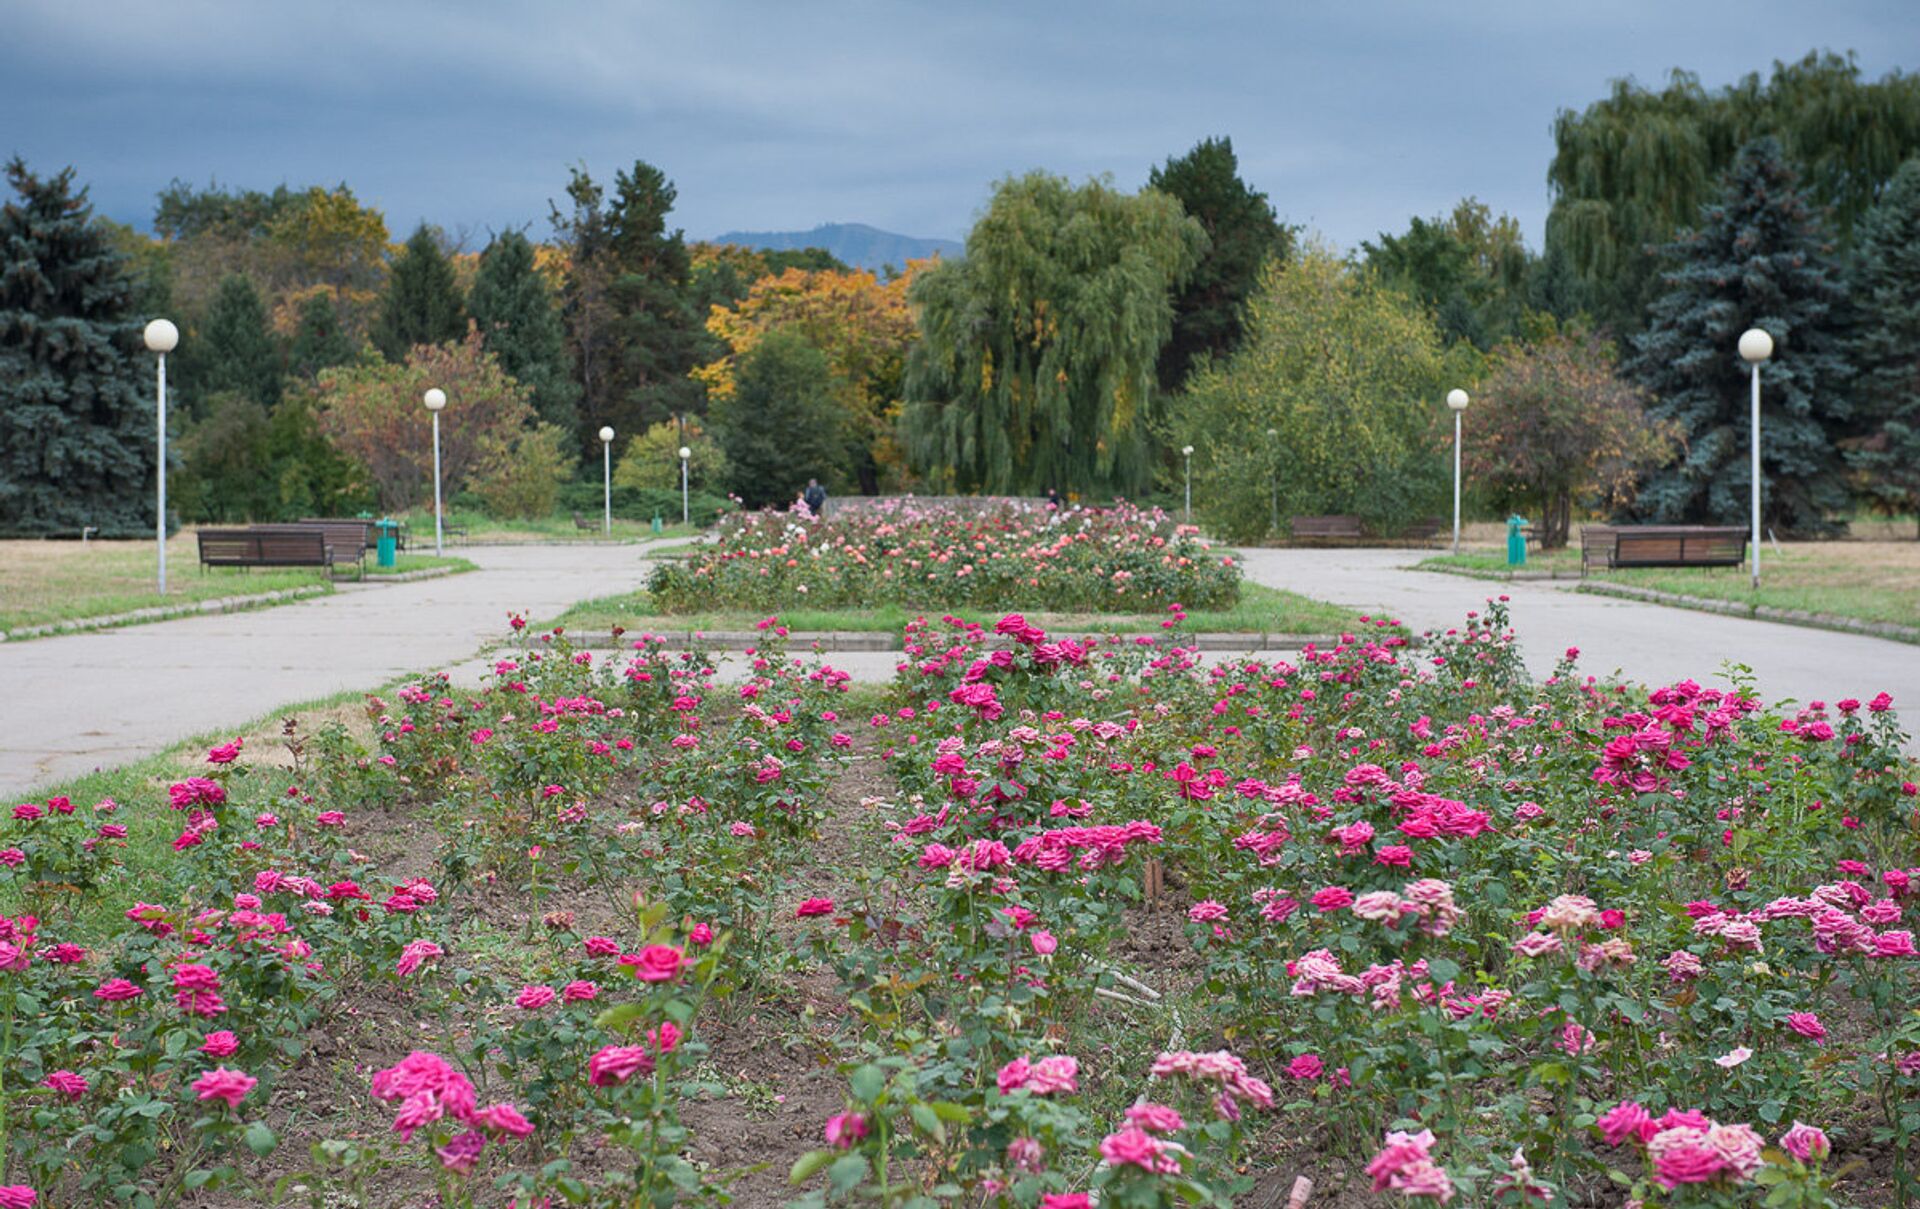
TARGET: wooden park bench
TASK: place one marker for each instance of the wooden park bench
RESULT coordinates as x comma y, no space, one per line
1326,528
293,546
347,540
1619,547
1423,530
583,524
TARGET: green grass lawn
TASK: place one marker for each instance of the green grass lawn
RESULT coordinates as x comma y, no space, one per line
1864,580
150,867
1260,610
52,582
1494,563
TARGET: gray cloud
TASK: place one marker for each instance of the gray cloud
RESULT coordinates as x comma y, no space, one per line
1352,116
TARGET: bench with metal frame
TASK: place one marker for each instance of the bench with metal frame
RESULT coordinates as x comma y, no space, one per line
1326,528
247,548
1623,547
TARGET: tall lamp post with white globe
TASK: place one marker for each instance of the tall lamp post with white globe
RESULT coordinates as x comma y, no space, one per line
606,477
1457,403
1755,346
686,514
1186,454
435,400
161,337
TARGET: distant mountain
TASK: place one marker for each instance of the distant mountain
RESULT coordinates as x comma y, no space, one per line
855,243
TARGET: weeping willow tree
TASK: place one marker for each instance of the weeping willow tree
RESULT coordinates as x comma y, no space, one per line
1632,170
1036,362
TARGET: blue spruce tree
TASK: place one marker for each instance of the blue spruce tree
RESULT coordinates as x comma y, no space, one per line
1760,258
76,426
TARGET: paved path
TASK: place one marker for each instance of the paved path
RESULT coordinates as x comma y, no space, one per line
85,701
1646,642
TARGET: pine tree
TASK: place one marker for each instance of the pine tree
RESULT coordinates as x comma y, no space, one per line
76,423
632,329
1242,234
234,351
320,341
520,326
1760,258
1886,351
422,303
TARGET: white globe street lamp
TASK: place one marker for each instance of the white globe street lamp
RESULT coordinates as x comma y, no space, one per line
686,515
1273,476
162,338
435,400
1186,452
1457,402
1756,346
606,476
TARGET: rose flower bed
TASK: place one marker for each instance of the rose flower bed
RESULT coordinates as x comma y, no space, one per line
1116,559
1062,922
1514,943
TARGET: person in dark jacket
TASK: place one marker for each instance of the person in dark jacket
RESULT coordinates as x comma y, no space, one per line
815,495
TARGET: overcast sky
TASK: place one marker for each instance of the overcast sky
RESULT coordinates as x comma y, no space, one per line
1351,115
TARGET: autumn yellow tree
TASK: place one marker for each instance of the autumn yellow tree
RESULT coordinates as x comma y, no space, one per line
864,327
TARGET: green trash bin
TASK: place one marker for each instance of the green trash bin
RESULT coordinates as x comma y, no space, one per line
387,543
1517,527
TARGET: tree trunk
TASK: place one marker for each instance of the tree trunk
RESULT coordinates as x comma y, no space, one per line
1558,521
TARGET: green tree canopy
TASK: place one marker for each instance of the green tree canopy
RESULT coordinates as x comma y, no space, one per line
1632,169
233,350
1334,404
1242,235
320,340
422,304
1885,282
76,419
632,329
1553,423
1759,259
1036,365
520,325
783,423
1470,268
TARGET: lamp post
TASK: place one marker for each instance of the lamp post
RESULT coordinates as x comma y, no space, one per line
161,337
436,399
1186,453
1756,346
686,516
1273,476
1457,401
606,477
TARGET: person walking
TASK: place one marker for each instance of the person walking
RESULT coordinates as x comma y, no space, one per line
815,496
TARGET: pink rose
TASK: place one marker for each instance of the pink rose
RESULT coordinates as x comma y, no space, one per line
533,998
223,1084
844,1129
617,1064
1805,1142
658,963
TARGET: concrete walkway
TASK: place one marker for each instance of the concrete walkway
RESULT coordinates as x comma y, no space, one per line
88,701
1650,643
85,701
